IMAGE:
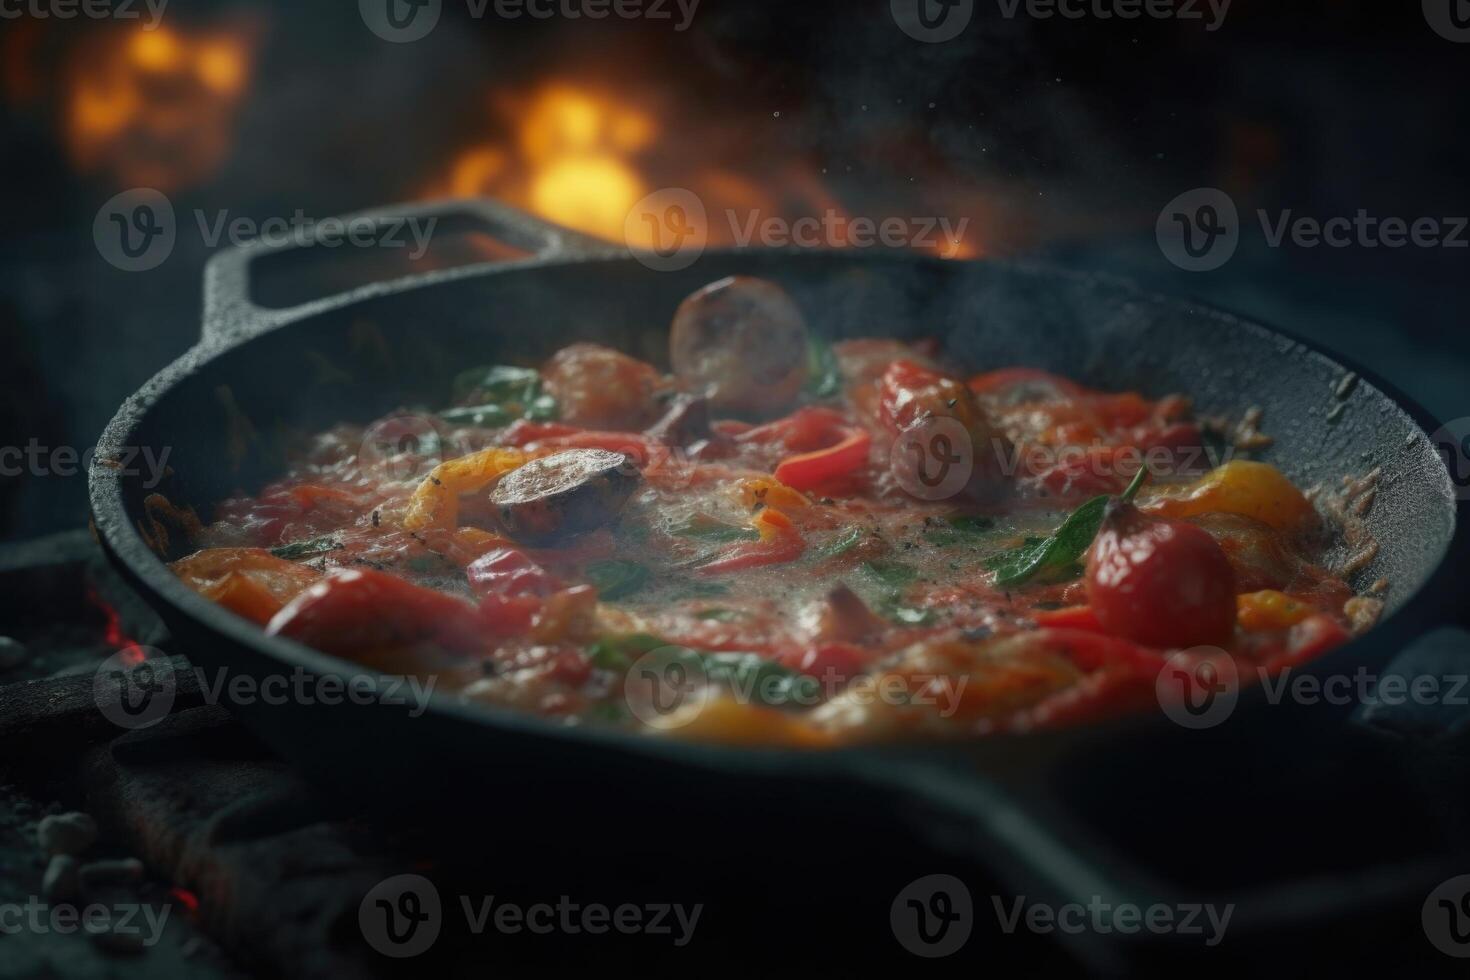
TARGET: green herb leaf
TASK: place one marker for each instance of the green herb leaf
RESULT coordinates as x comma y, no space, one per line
308,548
709,529
892,578
1064,547
841,544
617,579
891,574
824,376
491,397
619,652
764,681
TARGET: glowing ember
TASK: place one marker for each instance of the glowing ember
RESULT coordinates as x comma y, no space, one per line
156,107
113,633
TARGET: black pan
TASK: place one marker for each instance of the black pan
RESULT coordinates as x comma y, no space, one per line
1011,804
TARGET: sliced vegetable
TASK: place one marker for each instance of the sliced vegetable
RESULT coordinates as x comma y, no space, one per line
509,572
617,579
496,396
361,613
436,501
779,542
1065,547
706,528
564,494
1250,489
807,471
1270,610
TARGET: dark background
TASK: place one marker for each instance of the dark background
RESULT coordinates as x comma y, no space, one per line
1059,139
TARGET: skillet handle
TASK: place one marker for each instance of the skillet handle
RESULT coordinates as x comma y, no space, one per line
231,312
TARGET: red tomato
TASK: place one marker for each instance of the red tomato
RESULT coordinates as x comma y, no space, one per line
508,572
360,609
1165,584
509,615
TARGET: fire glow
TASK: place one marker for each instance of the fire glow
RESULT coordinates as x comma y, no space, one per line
156,108
585,159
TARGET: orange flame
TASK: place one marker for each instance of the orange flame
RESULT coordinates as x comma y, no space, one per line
156,107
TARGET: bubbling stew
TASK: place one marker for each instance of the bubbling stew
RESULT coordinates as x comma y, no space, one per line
782,541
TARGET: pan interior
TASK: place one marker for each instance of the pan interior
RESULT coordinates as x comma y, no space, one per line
228,420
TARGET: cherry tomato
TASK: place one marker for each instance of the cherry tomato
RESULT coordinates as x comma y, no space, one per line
1165,584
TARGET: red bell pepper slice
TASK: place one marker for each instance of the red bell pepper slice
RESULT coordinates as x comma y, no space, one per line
806,471
780,542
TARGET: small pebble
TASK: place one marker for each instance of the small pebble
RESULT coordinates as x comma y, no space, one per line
66,833
118,872
62,881
13,653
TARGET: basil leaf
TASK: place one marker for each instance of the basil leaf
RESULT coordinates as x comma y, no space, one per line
824,376
496,396
619,652
1063,548
893,577
308,548
749,674
617,579
891,574
709,529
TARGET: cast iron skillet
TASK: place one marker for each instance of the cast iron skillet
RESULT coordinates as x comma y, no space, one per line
361,354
